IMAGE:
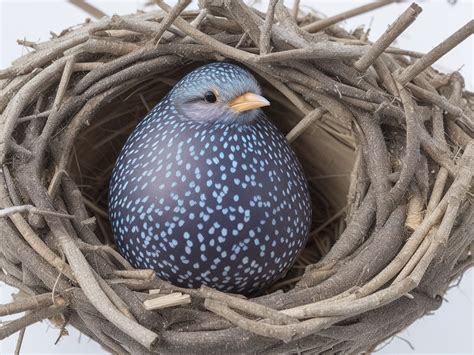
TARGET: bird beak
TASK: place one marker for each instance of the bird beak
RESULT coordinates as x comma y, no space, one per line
248,101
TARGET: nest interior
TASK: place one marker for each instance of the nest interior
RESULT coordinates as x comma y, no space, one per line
385,141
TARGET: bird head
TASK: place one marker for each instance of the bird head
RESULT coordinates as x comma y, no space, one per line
218,92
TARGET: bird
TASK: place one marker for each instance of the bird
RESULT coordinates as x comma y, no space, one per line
206,189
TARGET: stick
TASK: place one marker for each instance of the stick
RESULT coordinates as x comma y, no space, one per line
35,116
295,9
5,212
282,332
203,38
457,191
437,52
30,318
322,50
62,87
394,30
92,289
90,9
19,341
438,100
30,303
304,124
170,17
266,28
171,300
247,306
321,24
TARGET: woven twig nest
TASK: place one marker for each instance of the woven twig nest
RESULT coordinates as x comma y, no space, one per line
385,141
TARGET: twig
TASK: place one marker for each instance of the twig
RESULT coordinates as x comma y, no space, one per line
282,332
415,209
442,176
87,280
136,274
322,50
439,101
295,9
322,24
456,192
304,124
14,282
166,301
63,83
106,249
206,39
5,212
266,28
30,303
170,17
18,103
35,116
90,9
394,30
349,305
412,154
247,306
86,66
31,318
437,52
19,341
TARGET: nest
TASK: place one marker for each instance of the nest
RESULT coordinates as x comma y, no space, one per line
385,141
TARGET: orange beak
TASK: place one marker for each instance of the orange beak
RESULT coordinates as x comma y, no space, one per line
248,101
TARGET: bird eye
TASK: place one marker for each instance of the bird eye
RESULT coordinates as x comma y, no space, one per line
210,97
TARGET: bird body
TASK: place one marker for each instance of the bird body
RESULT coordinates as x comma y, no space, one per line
206,189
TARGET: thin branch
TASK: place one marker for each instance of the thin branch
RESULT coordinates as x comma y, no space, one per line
304,124
394,30
63,83
322,24
87,7
203,38
30,318
295,9
437,52
247,306
35,116
30,303
170,17
5,212
19,341
456,192
266,28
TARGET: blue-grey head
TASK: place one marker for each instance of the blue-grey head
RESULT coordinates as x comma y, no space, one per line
218,92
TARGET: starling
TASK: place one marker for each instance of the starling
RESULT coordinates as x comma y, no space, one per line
207,191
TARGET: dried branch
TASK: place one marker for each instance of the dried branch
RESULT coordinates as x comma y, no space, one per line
5,212
322,24
87,7
30,318
266,29
19,341
170,17
30,303
165,301
387,38
437,52
304,124
456,192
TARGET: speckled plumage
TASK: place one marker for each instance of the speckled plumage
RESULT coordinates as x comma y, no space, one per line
221,201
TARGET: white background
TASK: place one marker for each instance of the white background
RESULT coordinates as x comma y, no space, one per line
450,329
